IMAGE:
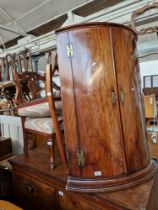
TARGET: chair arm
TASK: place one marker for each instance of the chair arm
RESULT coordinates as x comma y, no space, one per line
33,102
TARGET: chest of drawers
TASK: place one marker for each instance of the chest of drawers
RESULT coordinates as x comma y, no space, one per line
36,186
33,193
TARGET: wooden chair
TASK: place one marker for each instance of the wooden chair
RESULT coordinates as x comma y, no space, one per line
24,61
41,115
7,88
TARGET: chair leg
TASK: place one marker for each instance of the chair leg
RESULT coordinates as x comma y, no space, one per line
26,153
50,144
34,140
25,136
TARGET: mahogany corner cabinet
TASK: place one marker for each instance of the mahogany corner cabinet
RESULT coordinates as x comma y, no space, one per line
102,108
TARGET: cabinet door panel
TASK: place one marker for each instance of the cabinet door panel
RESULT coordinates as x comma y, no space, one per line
70,125
96,105
132,113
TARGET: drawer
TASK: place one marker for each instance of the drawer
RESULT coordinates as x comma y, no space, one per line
69,202
32,193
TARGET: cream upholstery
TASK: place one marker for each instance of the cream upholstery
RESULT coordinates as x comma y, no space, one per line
39,110
44,125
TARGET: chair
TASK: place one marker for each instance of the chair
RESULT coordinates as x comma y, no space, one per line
7,88
22,62
41,115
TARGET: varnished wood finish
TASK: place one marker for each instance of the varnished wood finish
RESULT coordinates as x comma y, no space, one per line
102,107
153,204
2,68
153,146
139,12
28,188
32,90
7,65
35,173
132,115
25,61
7,89
34,102
150,91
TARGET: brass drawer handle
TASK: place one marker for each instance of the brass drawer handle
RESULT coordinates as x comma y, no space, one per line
122,97
113,97
69,50
30,189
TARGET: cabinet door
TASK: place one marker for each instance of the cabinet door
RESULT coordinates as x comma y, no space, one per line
131,106
68,103
91,113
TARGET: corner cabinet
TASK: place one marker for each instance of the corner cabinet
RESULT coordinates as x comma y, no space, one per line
102,108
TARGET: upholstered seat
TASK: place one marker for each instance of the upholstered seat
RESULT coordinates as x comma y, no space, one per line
5,205
39,110
43,125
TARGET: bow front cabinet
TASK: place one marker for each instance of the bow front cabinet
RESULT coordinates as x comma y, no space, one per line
102,108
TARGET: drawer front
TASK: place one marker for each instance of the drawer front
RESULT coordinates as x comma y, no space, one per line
33,193
68,202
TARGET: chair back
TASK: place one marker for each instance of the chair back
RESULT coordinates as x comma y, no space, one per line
24,61
31,85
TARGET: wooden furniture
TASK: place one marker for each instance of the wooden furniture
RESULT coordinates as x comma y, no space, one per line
140,11
150,106
153,143
102,108
150,85
150,89
7,88
36,186
5,148
24,61
152,137
42,115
